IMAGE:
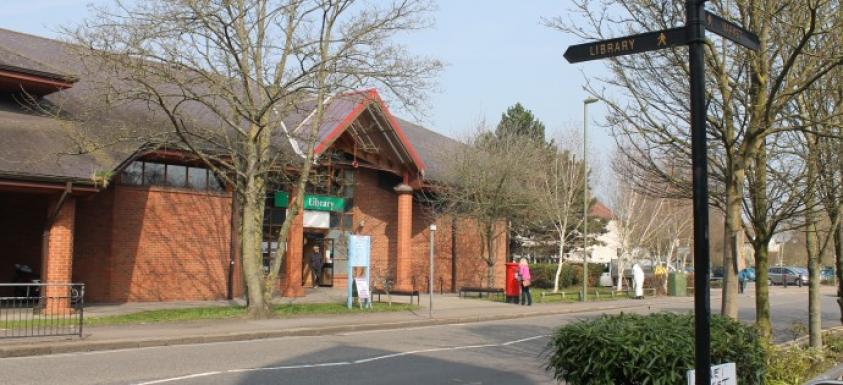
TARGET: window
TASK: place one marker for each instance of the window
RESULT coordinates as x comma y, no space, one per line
141,173
133,173
214,183
197,178
176,175
153,173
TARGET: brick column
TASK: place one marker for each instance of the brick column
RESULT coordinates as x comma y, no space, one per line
403,262
293,266
57,260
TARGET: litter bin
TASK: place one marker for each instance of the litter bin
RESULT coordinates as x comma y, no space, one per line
513,287
676,284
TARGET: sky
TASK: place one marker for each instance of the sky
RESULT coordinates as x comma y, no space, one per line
496,52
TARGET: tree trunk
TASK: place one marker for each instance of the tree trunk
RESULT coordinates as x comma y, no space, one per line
559,264
814,304
811,244
251,255
490,254
762,290
620,273
838,263
731,251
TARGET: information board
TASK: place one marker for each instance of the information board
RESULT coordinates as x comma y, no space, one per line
723,374
359,249
359,256
362,288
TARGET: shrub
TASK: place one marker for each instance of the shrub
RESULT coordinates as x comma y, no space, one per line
652,349
797,364
543,274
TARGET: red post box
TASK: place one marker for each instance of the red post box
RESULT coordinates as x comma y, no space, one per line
513,287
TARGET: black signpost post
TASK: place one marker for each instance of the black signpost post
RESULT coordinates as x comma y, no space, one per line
692,34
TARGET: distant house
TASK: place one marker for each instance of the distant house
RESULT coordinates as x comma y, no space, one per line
608,243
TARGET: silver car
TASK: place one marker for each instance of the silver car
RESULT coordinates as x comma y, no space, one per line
793,275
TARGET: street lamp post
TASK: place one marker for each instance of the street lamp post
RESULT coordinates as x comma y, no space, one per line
585,104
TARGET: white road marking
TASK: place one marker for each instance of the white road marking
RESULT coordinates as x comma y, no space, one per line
342,363
187,377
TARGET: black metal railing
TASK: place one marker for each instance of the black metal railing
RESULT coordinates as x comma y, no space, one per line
41,309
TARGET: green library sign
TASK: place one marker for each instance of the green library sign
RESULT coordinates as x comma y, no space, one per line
312,202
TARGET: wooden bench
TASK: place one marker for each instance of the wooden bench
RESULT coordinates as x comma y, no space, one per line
409,293
480,291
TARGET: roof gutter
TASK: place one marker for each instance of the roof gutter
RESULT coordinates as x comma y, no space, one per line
45,182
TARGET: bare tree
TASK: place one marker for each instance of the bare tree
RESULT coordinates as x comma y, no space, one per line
748,94
486,180
820,107
559,200
676,222
223,78
637,223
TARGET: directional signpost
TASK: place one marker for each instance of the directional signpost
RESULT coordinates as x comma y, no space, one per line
697,20
643,42
731,31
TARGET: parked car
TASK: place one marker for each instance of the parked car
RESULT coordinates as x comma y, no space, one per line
793,275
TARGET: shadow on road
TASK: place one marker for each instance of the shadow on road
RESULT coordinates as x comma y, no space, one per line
407,369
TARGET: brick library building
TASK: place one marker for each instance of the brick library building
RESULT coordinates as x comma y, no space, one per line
153,224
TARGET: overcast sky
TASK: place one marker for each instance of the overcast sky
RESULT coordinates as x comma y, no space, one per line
497,53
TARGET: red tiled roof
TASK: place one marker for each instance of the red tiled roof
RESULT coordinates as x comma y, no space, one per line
600,210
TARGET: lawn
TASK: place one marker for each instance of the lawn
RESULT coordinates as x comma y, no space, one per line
571,295
210,313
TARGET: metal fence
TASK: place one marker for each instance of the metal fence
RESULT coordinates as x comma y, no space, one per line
41,309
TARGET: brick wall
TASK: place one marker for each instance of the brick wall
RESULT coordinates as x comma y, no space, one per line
57,263
166,244
376,206
469,250
92,251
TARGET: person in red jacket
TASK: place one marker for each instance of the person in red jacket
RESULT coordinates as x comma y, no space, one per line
524,277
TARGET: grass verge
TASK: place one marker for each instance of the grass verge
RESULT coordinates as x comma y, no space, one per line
208,313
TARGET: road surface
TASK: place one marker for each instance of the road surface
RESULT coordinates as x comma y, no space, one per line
498,352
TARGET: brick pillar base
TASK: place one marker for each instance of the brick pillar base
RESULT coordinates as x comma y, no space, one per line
57,260
403,262
293,267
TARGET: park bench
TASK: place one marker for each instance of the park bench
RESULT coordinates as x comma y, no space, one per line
480,291
409,293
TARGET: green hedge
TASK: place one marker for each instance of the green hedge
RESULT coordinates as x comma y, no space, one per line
543,274
655,349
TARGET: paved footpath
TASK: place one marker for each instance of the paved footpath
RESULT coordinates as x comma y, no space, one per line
448,309
788,306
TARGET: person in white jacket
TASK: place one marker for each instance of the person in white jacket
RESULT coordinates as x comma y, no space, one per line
638,281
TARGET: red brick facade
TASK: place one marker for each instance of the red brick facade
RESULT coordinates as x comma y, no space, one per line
403,237
133,243
153,244
57,262
376,214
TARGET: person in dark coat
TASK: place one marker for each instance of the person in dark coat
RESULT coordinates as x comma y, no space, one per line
316,261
